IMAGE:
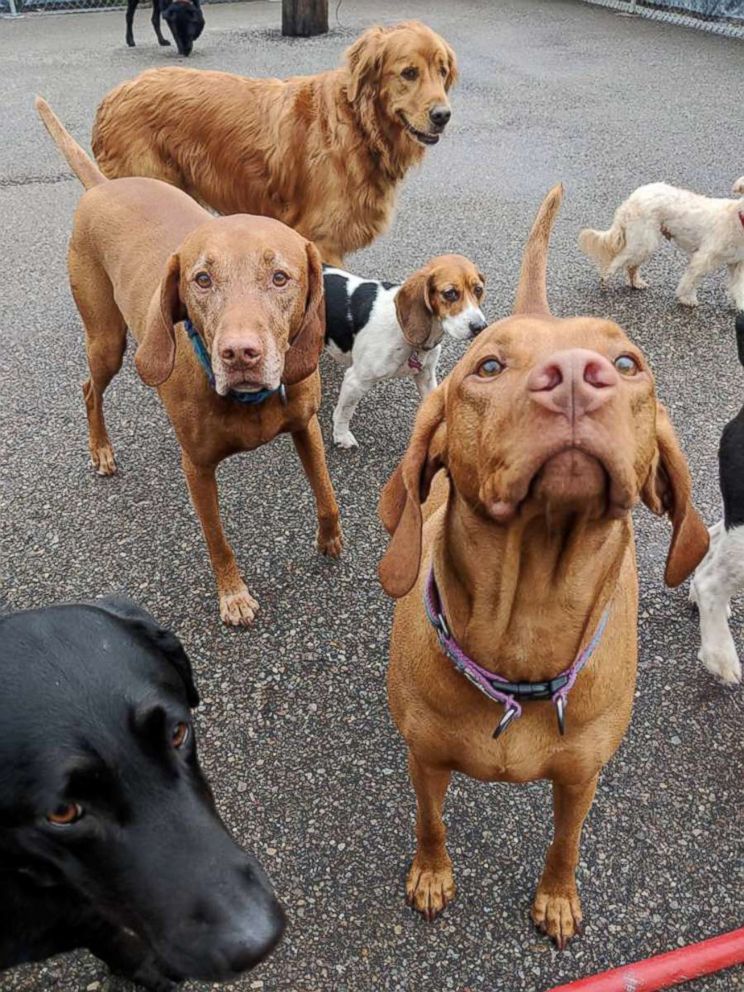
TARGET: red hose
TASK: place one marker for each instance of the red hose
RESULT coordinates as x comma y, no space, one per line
665,970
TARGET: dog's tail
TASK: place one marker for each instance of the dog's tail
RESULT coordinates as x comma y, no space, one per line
603,246
84,167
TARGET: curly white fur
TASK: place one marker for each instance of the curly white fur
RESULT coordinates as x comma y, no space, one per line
710,231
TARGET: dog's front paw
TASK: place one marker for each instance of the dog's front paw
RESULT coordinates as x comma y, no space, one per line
557,914
429,888
723,662
130,42
163,41
688,301
150,977
330,540
237,607
345,439
102,459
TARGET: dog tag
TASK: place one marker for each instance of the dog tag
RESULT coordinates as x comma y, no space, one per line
509,714
560,712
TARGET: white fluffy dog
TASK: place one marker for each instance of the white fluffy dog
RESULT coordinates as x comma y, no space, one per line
710,231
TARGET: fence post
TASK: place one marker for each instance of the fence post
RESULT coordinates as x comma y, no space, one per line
13,9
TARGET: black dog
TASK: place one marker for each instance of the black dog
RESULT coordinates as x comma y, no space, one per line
183,17
109,837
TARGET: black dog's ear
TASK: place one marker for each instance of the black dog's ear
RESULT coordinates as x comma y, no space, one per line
147,628
740,335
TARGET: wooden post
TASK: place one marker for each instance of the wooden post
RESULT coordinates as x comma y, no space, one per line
302,18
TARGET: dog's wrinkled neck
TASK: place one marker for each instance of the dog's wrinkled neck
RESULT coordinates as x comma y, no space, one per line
559,575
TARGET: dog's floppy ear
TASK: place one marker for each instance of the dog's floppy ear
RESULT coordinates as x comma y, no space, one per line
147,629
668,489
157,351
305,347
364,61
452,70
406,489
413,309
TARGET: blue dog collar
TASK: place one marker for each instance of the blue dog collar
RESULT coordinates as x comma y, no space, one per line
252,399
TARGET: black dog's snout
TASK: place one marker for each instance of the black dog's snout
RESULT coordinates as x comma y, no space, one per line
243,952
439,116
476,326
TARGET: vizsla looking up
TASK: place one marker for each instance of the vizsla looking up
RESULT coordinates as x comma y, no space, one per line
228,313
523,576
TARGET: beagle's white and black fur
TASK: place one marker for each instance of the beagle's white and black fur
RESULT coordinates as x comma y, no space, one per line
381,330
720,575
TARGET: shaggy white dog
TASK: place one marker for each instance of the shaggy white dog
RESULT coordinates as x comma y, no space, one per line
710,231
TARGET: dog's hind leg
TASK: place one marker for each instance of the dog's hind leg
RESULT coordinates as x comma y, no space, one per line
634,278
105,343
131,7
701,263
718,577
352,390
430,884
557,909
156,23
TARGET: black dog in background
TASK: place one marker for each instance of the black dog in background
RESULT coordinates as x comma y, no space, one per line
109,837
183,17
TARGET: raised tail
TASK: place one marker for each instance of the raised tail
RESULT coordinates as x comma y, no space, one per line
603,246
81,164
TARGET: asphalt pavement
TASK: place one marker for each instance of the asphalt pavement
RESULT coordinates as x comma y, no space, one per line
294,730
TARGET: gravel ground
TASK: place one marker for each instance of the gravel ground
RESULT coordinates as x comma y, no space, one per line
294,729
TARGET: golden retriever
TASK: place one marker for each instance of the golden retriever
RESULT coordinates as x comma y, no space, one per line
324,154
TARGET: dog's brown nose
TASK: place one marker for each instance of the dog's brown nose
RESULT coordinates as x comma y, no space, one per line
243,352
573,382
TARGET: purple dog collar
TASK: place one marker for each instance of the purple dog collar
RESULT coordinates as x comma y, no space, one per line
498,689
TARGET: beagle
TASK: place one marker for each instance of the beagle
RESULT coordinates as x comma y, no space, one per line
381,330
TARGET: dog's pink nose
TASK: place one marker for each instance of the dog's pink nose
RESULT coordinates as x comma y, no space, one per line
573,382
241,352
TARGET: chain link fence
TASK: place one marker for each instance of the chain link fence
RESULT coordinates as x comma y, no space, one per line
55,6
718,16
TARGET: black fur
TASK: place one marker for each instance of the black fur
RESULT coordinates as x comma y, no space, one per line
731,454
184,18
148,878
346,315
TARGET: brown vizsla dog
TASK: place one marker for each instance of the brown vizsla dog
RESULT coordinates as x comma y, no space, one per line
144,255
323,153
549,432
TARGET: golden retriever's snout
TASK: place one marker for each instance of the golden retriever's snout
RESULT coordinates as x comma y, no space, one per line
573,383
439,115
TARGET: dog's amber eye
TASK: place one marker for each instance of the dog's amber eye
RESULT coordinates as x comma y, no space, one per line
280,278
451,295
478,290
203,280
66,814
180,735
443,72
490,368
410,73
627,365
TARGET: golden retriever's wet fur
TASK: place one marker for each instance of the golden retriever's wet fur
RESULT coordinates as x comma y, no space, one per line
322,153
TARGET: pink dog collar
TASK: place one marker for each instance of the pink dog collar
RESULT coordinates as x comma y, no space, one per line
509,694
